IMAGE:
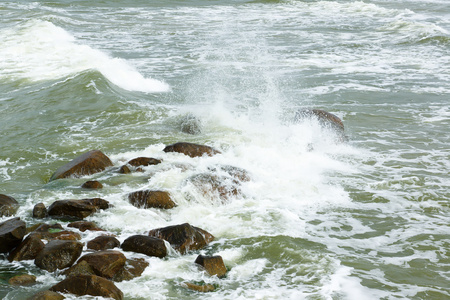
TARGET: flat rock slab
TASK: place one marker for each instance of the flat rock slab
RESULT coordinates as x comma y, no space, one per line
93,285
12,232
88,163
190,149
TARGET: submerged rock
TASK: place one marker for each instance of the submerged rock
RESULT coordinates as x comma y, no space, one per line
22,280
8,205
190,149
151,199
212,264
86,164
212,185
205,288
58,254
93,285
77,208
184,237
190,124
232,171
148,245
12,232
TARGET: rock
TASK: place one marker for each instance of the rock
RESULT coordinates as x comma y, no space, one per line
190,124
92,184
147,245
84,225
81,268
81,285
47,295
212,185
212,264
144,161
8,205
86,164
55,232
199,288
184,237
45,228
12,232
28,249
151,199
133,268
77,208
325,118
124,170
22,280
192,150
58,254
40,211
103,242
105,263
232,171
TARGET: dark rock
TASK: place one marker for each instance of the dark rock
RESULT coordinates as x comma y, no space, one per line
8,205
80,268
85,225
184,237
190,124
40,211
47,295
325,118
212,185
22,280
48,228
28,249
105,263
124,169
92,184
192,150
77,208
199,288
133,268
81,285
212,264
12,232
147,245
151,199
144,161
86,164
58,254
103,242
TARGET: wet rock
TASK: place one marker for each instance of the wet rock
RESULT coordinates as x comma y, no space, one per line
65,235
151,199
212,264
190,124
144,161
12,232
22,280
93,285
212,185
92,184
133,268
103,242
28,249
190,149
47,295
84,225
105,263
184,237
124,170
40,211
58,254
8,205
81,268
205,288
86,164
148,245
232,171
325,118
44,228
77,208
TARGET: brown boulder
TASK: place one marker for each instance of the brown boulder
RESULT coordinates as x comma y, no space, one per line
92,184
58,254
22,280
212,264
133,268
103,242
84,225
81,285
184,237
8,205
86,164
151,199
80,268
144,161
28,249
65,235
12,232
190,149
77,208
199,288
124,170
47,295
147,245
105,263
40,211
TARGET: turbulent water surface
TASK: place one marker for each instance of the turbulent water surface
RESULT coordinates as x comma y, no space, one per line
319,219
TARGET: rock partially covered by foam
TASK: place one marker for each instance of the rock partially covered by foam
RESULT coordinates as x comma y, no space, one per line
8,205
190,124
325,118
190,149
183,237
151,199
212,264
88,163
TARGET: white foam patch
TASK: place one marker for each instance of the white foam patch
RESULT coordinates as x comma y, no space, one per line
39,50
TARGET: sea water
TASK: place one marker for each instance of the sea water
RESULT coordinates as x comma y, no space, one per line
320,218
